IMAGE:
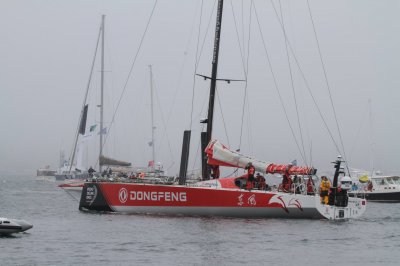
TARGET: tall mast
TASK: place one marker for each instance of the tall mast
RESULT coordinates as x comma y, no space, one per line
103,18
205,170
371,137
152,118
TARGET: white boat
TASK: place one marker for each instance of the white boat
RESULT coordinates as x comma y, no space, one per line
45,171
379,188
11,226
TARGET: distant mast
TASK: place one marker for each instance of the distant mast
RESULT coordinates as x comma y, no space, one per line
207,138
152,119
103,18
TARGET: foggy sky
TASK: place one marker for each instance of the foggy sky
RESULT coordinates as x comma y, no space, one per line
47,46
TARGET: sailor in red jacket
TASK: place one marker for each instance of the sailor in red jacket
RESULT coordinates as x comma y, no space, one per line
215,171
250,176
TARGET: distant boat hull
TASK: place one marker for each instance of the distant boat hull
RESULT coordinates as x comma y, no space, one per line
382,189
61,177
375,196
209,201
72,186
45,172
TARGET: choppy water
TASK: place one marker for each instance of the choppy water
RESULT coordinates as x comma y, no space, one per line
62,235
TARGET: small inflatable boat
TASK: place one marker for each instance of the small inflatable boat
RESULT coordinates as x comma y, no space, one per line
10,226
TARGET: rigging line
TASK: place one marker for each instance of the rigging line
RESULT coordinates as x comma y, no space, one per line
327,83
202,106
238,39
249,129
355,142
222,115
247,69
292,83
308,88
163,122
371,136
208,27
204,39
201,51
72,155
196,65
244,69
242,52
130,71
275,82
231,174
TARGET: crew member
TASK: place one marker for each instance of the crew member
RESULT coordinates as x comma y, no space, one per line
310,186
261,184
91,171
370,186
250,176
324,190
215,171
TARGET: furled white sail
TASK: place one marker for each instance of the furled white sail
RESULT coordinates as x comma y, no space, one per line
220,155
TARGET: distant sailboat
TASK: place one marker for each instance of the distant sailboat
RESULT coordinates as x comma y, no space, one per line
75,168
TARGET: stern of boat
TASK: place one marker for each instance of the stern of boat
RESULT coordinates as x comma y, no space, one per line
354,209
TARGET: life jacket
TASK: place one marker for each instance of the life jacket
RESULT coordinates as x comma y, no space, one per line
310,186
325,185
261,182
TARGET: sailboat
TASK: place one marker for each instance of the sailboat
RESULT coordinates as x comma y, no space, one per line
222,196
154,172
75,169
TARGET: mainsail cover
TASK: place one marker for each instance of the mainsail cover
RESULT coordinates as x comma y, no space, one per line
112,162
82,125
220,155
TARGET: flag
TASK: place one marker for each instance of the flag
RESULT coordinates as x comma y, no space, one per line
103,131
92,128
150,164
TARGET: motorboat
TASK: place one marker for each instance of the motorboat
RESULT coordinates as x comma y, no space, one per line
11,226
378,188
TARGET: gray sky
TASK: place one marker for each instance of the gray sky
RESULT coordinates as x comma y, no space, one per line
47,46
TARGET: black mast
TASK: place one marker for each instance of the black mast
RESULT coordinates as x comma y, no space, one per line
206,139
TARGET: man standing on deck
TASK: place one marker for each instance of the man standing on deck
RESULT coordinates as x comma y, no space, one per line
250,176
324,190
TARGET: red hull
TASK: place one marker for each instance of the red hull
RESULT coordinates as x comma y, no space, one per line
201,201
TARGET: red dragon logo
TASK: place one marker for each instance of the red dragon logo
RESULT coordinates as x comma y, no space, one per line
278,201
